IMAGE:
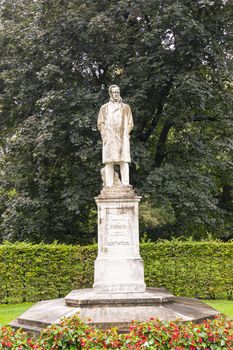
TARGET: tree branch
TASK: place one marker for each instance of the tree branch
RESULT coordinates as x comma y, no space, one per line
200,118
3,147
160,151
159,111
226,198
148,22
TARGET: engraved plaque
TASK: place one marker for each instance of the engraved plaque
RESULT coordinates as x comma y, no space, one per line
118,227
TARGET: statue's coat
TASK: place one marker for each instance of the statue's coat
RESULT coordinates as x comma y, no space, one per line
115,122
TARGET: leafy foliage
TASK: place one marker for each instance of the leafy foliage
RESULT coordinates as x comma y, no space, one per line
173,61
33,272
72,333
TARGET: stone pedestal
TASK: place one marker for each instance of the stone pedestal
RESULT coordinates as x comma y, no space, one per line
119,266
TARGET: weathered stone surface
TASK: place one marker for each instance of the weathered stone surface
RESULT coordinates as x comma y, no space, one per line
151,296
118,310
124,192
115,123
118,267
46,312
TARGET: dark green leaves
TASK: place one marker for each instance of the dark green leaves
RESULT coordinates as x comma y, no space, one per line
173,63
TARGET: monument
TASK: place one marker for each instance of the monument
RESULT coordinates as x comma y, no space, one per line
118,267
119,293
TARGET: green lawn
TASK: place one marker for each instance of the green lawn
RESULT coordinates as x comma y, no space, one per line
225,306
10,312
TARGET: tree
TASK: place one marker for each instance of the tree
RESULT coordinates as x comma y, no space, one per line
173,62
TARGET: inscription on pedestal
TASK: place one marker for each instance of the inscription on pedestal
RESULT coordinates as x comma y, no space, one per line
118,227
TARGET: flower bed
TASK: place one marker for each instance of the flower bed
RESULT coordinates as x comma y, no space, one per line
73,334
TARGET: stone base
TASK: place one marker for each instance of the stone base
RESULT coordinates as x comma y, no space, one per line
113,310
119,266
87,297
119,275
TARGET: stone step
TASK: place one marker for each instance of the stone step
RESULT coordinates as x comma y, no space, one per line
32,330
114,315
88,297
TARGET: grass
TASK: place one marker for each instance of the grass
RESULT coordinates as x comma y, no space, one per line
225,306
10,312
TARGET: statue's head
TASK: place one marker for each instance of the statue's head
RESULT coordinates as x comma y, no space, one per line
114,93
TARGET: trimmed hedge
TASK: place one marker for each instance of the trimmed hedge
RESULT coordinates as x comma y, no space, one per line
32,272
192,269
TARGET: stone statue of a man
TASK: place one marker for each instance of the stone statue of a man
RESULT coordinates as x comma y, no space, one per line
115,122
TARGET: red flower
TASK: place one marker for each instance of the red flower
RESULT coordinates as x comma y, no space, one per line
9,344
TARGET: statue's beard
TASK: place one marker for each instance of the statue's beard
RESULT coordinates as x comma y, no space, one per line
116,100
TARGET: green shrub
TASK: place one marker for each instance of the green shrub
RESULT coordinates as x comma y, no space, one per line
194,269
32,272
73,334
154,334
18,340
